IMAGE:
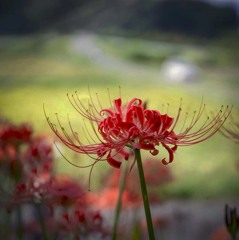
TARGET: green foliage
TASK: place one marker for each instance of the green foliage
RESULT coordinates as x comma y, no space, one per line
214,53
194,18
30,77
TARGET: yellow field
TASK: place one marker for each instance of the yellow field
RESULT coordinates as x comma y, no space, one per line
29,79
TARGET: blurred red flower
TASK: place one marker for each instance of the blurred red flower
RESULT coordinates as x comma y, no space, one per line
156,175
220,234
12,138
65,191
38,158
32,191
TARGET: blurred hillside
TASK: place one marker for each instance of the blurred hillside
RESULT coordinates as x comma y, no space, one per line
194,18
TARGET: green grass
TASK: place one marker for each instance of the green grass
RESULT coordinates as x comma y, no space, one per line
43,69
214,53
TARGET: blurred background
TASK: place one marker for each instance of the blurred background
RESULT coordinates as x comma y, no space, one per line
157,50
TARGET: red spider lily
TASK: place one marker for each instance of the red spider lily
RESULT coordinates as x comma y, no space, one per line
134,127
34,189
37,164
38,157
70,209
15,134
65,219
60,191
11,139
81,223
65,191
69,224
9,161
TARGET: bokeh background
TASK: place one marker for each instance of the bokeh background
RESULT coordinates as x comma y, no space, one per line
160,51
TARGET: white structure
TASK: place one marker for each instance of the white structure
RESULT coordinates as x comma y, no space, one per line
179,70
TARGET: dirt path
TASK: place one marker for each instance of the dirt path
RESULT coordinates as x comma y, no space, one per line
85,43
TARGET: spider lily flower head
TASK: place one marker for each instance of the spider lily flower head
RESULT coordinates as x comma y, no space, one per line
12,139
124,127
33,189
81,223
38,158
64,191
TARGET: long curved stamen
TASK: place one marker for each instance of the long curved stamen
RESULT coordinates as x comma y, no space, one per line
79,107
89,180
109,98
73,164
85,112
88,135
195,118
231,131
92,102
206,130
98,100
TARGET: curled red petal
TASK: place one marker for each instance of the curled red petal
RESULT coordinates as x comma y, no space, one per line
107,111
133,101
174,148
170,152
154,152
114,163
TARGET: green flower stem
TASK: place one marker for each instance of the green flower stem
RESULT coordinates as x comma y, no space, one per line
119,200
5,222
41,220
233,236
19,222
144,195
